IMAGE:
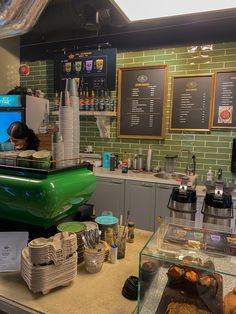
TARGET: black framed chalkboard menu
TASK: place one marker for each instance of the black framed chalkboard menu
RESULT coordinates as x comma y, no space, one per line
142,102
224,112
191,102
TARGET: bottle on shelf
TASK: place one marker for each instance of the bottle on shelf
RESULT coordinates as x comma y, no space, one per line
209,175
125,163
96,103
107,101
81,100
101,101
111,100
92,101
56,102
86,100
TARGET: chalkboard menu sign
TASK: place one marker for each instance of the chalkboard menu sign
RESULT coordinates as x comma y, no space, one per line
96,69
191,102
224,110
142,101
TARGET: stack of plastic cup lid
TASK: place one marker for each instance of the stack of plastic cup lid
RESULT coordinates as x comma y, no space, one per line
49,263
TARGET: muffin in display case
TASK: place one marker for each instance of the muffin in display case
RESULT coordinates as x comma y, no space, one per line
180,273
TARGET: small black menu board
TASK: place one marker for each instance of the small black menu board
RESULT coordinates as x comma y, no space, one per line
224,112
142,101
96,69
191,102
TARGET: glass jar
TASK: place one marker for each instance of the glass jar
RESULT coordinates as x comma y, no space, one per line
130,238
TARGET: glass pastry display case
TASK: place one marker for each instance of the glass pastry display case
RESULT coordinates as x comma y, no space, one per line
183,269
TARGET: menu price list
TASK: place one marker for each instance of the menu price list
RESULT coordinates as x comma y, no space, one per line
225,97
96,69
142,102
191,103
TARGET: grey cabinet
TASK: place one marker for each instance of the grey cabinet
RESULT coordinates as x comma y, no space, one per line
163,192
144,200
109,196
140,200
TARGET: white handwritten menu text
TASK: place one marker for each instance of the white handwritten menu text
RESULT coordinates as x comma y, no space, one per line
141,102
191,102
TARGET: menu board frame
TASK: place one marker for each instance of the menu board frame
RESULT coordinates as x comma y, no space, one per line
87,70
121,74
216,105
209,107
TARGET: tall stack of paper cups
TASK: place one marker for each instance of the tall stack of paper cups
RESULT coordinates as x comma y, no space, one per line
58,150
74,100
69,126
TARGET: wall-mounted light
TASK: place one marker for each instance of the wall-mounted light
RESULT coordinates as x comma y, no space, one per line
135,10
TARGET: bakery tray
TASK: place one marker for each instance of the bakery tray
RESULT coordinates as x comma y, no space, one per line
202,299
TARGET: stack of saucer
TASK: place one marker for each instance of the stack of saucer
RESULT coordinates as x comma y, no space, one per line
90,225
54,262
80,249
78,228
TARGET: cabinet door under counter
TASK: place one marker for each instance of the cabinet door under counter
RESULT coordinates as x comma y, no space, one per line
163,192
140,201
109,196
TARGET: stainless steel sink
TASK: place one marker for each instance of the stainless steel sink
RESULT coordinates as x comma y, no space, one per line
163,175
168,176
176,176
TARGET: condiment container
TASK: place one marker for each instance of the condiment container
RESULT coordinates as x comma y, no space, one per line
130,237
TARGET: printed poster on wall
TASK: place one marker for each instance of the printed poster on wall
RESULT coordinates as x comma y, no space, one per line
224,106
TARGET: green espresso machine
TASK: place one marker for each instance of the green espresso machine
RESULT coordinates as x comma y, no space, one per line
43,197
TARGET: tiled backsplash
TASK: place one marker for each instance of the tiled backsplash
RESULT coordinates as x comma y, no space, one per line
211,149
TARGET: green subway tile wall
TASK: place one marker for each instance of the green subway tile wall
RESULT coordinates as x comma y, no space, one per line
211,149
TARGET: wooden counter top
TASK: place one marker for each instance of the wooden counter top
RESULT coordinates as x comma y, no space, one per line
89,293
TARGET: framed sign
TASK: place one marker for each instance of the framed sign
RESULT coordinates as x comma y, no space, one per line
224,110
96,69
142,95
191,102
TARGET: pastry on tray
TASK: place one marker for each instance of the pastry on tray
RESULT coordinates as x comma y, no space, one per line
148,270
231,240
192,260
184,308
196,245
207,285
230,302
207,281
175,272
191,276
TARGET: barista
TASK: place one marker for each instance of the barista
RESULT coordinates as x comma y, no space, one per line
22,136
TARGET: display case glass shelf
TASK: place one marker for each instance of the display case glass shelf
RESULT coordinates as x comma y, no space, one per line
182,268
